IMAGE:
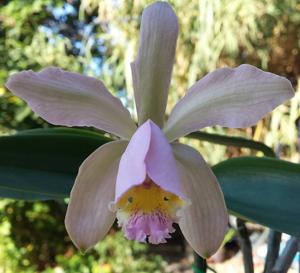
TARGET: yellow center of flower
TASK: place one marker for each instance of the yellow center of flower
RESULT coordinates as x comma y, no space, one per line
148,197
147,212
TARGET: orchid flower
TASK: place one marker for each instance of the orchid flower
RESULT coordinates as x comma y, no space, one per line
145,179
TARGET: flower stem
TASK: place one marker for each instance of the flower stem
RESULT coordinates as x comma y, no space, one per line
200,265
274,240
246,246
285,260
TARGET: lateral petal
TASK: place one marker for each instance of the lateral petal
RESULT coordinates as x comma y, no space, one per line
234,98
88,218
203,223
71,99
153,65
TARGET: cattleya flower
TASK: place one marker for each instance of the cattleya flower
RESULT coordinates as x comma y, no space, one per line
145,179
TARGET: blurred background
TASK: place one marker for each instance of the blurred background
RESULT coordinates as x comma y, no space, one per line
99,38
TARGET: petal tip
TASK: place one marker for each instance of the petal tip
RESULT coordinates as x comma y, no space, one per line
207,254
82,250
165,10
15,79
150,123
82,246
159,5
289,87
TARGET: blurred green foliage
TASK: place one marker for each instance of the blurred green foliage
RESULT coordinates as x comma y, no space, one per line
33,239
99,38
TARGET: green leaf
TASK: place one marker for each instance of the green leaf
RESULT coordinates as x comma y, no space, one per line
263,190
233,141
42,164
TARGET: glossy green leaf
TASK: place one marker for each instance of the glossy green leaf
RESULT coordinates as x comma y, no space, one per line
42,164
233,141
263,190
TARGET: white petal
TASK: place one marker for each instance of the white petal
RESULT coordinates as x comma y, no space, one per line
234,98
153,66
71,99
88,218
203,223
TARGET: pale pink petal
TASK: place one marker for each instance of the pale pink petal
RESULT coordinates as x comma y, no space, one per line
148,153
88,217
153,65
204,222
234,98
71,99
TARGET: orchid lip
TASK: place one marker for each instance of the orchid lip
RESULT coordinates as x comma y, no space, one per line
147,212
